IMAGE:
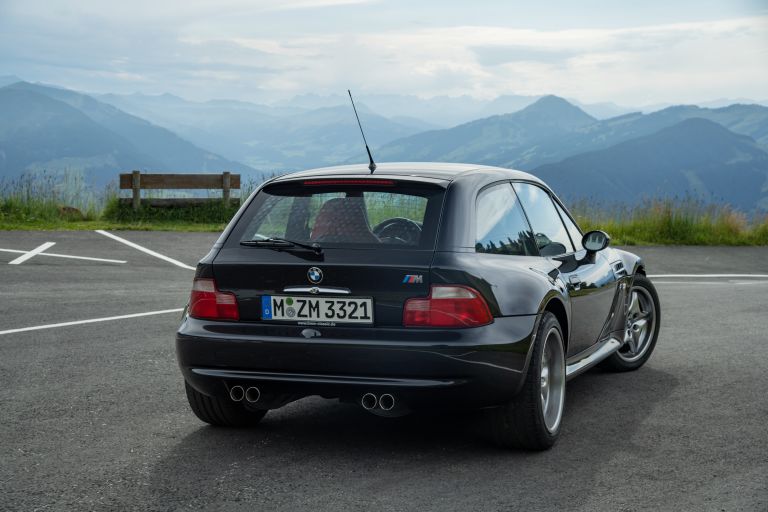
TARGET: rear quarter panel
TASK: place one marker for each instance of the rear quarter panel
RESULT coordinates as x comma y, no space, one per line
512,285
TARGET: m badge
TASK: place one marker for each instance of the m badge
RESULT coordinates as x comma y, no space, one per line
413,279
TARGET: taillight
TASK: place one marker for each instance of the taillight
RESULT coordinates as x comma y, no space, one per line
447,306
208,303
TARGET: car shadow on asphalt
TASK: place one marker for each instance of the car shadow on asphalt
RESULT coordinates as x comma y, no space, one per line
325,441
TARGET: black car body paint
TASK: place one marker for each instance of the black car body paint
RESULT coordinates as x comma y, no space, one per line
424,367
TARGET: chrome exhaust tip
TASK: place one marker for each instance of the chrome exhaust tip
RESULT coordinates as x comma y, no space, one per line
236,393
387,402
252,394
369,401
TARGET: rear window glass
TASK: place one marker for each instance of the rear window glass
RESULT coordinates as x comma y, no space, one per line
351,213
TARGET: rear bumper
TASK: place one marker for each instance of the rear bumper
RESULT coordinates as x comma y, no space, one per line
424,367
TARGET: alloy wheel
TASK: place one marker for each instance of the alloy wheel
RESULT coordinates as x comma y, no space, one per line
552,380
640,325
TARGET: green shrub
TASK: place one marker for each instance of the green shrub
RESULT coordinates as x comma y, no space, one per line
212,212
50,197
669,221
66,201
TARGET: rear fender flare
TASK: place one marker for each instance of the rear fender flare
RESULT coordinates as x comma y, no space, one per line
563,302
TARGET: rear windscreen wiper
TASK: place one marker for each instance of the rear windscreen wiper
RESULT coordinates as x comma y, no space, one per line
282,243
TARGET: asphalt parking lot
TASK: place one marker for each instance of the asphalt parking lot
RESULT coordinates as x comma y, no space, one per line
93,415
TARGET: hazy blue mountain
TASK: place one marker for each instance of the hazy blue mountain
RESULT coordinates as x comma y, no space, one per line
440,111
173,153
56,129
751,120
504,104
220,126
311,101
446,111
717,154
417,124
177,113
552,129
725,102
486,140
8,80
270,137
324,136
695,157
603,110
40,133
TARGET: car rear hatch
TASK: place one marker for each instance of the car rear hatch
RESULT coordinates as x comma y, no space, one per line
332,251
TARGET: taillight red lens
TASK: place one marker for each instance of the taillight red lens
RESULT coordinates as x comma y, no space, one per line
447,306
208,303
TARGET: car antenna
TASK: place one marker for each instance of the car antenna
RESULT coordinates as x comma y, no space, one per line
371,165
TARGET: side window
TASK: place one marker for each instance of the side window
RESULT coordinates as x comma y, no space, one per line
572,228
501,227
549,231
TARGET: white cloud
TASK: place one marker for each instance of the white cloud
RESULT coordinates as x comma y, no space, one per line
160,10
675,62
255,49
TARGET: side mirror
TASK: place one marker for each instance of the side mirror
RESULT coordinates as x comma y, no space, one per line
595,241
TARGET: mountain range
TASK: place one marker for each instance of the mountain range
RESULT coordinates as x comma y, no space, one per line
49,128
491,139
695,157
715,154
269,137
552,129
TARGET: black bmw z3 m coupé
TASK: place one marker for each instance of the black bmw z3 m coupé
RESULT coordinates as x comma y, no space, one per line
419,286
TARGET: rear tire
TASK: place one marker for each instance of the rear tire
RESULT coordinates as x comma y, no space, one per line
220,412
533,418
638,342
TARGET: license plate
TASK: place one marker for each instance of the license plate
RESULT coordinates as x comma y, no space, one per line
317,310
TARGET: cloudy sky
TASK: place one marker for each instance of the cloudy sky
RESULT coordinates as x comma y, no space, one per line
631,53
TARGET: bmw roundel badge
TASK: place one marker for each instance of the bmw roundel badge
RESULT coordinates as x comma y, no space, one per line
315,275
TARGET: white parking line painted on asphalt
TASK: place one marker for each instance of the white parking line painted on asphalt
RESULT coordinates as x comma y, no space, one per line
144,250
757,276
55,255
29,254
91,321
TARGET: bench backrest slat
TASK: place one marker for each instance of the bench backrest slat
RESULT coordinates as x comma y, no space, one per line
181,181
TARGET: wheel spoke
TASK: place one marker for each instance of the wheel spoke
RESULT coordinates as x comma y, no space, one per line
631,343
634,305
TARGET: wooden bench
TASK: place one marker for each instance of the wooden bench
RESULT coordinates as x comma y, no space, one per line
137,182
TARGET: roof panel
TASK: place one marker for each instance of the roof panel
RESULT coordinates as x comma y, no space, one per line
435,170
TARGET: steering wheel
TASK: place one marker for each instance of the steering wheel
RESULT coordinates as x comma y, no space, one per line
399,230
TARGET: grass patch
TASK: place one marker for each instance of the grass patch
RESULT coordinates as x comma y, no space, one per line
65,201
212,213
47,216
669,222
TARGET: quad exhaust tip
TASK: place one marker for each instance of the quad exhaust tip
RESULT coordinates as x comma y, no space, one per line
369,401
236,393
387,402
252,394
